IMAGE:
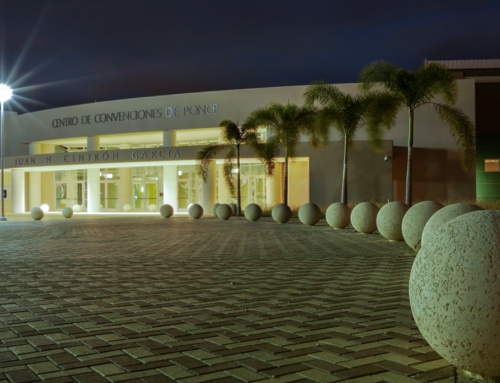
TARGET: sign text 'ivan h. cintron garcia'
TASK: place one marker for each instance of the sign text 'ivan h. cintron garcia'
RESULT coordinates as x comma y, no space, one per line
132,115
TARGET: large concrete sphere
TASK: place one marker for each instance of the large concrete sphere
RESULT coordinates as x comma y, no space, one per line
127,207
36,213
415,219
253,212
195,211
153,207
77,208
455,292
309,214
390,219
67,212
224,211
281,213
214,208
444,215
234,208
364,217
166,211
338,215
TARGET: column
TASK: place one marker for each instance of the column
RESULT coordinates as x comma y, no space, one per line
274,186
17,190
93,143
170,187
208,189
35,180
169,138
224,193
125,197
93,190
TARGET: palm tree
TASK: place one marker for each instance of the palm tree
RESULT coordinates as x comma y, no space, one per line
340,110
233,136
411,90
286,124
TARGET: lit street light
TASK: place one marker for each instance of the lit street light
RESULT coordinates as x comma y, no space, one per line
5,95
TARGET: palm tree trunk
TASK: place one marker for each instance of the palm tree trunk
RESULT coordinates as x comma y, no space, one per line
285,180
410,158
238,201
343,197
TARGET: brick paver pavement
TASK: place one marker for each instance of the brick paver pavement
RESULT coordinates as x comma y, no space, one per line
145,299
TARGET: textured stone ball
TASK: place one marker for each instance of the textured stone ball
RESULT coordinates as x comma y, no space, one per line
127,207
224,211
281,213
153,207
444,215
415,219
234,208
195,211
338,215
390,219
309,214
214,208
166,211
455,292
36,213
253,212
364,217
67,212
77,208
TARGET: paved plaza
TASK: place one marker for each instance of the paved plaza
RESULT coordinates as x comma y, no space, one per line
139,298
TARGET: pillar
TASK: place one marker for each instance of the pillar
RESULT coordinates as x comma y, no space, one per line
170,186
93,190
169,138
93,143
224,195
35,180
17,191
208,188
125,184
274,184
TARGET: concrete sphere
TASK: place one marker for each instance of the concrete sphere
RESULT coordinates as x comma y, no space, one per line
444,215
309,214
281,213
390,219
67,212
127,207
253,212
234,208
36,213
455,292
224,211
153,207
166,211
364,217
77,208
195,211
415,219
338,215
214,208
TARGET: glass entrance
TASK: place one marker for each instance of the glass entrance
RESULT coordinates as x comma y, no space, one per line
70,188
145,194
109,189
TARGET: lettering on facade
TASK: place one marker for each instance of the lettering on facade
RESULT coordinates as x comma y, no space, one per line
191,110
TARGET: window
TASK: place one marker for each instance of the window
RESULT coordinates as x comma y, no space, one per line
492,165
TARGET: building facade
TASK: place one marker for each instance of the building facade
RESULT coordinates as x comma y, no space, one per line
136,154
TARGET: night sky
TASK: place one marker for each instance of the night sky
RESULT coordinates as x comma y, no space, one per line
69,52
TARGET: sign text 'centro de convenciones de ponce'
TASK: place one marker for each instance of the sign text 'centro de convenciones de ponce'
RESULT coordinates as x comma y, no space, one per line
132,115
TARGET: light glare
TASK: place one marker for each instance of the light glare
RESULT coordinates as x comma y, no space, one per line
5,93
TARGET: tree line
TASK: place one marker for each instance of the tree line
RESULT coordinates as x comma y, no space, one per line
384,90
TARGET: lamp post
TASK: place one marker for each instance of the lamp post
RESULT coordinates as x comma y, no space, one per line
5,94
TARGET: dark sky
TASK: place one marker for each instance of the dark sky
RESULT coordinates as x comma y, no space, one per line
81,51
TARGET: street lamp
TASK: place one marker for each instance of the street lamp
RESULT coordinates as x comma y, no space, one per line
5,95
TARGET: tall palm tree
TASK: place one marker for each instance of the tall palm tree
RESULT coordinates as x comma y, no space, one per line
342,111
233,136
411,90
286,124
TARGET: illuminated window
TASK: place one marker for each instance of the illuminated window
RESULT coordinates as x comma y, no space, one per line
492,165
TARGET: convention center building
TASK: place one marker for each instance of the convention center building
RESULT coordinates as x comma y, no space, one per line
137,154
